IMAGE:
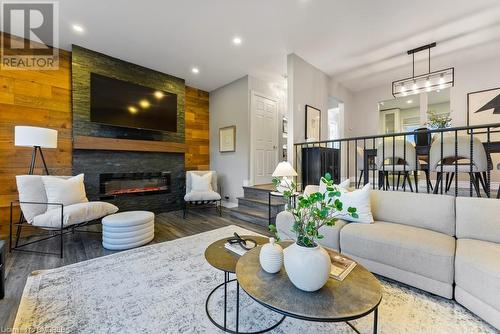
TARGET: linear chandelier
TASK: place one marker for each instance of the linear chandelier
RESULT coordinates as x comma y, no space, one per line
426,82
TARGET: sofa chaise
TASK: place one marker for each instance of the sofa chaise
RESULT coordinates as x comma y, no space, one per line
431,242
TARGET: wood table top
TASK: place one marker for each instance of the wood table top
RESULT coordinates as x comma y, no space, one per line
223,259
356,296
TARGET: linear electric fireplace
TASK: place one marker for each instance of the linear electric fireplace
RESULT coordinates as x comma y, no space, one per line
117,184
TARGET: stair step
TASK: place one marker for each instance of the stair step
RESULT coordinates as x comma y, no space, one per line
262,206
251,215
257,192
275,201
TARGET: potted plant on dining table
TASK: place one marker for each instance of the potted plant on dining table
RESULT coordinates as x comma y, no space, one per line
306,262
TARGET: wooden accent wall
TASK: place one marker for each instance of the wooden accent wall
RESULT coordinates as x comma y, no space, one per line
43,98
36,98
197,155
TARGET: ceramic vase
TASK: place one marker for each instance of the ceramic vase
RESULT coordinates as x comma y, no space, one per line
308,268
271,257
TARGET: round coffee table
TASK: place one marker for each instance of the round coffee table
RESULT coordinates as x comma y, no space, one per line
221,258
358,295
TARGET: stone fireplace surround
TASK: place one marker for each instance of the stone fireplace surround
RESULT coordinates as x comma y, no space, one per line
95,162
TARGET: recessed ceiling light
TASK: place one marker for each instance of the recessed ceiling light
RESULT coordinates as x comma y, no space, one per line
237,40
409,101
144,103
158,94
132,110
78,28
195,70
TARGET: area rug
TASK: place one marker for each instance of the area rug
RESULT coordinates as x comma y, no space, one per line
162,288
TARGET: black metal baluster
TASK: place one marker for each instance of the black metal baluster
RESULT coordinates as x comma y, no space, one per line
393,161
440,179
348,158
383,162
456,163
404,164
488,172
470,161
373,164
356,164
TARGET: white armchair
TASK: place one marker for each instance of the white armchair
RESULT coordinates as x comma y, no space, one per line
56,204
202,190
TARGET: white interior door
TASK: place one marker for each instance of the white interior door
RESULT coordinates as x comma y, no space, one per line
264,138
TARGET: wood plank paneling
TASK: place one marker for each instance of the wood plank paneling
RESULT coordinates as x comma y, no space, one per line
36,98
197,155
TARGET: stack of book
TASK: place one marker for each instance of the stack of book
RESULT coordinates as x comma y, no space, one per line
341,267
236,248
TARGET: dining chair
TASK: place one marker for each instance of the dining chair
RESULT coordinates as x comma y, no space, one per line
396,155
466,155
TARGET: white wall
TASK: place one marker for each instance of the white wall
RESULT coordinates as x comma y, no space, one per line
470,78
229,106
307,86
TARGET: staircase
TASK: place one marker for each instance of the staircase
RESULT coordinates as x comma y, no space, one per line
253,206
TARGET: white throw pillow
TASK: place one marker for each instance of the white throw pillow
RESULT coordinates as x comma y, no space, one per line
201,182
343,186
359,199
31,189
65,191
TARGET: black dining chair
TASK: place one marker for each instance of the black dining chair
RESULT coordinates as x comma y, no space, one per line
422,138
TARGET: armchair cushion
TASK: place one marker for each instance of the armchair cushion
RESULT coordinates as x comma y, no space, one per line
201,182
31,189
195,196
65,191
74,214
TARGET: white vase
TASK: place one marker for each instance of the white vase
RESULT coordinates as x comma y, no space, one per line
271,257
308,268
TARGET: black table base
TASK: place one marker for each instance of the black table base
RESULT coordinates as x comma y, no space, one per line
224,325
375,323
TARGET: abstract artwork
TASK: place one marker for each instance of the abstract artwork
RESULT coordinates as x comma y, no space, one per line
483,107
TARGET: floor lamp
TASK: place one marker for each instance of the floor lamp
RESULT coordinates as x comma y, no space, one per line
37,138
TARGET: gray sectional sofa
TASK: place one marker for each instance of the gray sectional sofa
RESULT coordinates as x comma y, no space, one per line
449,247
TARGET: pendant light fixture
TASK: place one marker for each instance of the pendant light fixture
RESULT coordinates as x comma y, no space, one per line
426,82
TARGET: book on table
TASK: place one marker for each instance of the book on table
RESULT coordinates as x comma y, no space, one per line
236,248
341,267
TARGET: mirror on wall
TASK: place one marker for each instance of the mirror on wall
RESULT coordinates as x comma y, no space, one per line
404,114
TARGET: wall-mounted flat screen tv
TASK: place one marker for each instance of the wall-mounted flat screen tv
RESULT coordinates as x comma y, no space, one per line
125,104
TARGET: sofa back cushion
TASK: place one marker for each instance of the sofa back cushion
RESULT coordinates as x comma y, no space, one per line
432,212
478,218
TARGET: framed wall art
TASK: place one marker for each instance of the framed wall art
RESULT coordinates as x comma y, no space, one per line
313,123
483,107
227,139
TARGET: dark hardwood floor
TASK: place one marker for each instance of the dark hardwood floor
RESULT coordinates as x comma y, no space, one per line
84,246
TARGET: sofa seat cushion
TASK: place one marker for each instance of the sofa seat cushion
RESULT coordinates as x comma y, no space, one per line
420,251
195,196
74,214
477,269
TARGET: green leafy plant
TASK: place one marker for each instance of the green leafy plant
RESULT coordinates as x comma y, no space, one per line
315,211
438,121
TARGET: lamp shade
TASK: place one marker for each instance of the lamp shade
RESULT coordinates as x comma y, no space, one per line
284,169
29,136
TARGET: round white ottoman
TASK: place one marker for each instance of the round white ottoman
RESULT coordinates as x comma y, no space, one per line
128,229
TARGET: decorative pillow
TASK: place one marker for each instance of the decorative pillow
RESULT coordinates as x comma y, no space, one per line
343,186
201,182
359,199
31,189
65,191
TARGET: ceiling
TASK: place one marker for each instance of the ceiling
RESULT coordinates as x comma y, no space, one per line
361,43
